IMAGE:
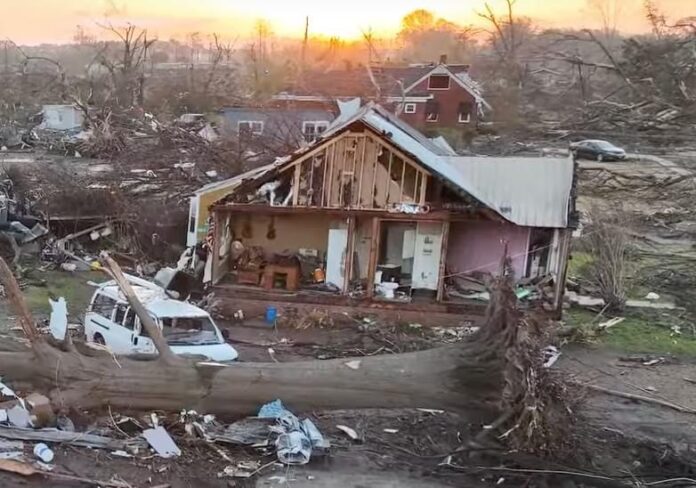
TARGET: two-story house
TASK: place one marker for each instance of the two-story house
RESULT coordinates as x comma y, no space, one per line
427,96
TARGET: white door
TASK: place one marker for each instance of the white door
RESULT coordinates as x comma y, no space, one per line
426,261
120,338
336,257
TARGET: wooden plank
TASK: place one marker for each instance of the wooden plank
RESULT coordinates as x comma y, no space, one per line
443,261
341,171
559,286
363,140
389,168
374,251
352,176
424,187
325,164
374,157
330,169
403,176
296,185
215,275
310,190
350,250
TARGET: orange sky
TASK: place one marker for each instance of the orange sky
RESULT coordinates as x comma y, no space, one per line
35,21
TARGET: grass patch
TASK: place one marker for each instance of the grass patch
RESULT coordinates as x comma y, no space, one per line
638,333
71,286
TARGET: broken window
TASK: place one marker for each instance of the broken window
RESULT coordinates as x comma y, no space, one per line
189,331
103,305
465,112
129,321
250,127
439,82
312,130
432,111
120,313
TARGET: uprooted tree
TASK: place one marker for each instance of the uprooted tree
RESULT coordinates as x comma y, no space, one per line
495,377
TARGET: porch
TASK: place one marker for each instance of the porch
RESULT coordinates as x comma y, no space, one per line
434,261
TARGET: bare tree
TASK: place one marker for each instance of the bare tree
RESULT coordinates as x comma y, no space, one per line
126,66
609,13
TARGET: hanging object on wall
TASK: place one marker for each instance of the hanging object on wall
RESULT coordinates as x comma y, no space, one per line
247,231
271,234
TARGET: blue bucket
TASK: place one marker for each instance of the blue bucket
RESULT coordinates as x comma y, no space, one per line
271,315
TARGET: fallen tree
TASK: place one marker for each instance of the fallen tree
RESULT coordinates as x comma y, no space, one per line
496,374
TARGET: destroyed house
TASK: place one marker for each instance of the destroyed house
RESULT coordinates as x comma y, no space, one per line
373,213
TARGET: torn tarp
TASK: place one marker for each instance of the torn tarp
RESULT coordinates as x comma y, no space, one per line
297,439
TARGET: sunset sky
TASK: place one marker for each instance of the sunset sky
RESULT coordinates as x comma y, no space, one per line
36,21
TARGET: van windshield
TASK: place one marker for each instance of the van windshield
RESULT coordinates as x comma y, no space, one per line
192,331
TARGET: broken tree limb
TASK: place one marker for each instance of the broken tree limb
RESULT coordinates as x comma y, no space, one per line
14,295
638,398
70,438
155,333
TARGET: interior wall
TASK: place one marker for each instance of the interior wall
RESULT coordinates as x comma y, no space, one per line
394,234
292,232
479,246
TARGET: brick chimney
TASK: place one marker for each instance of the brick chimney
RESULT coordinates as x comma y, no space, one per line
443,59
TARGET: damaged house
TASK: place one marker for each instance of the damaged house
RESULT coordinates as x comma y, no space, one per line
375,214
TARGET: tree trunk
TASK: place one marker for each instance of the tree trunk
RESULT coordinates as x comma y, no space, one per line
467,377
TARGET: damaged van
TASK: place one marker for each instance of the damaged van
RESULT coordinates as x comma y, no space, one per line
188,329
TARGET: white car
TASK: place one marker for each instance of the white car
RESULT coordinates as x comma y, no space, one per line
188,329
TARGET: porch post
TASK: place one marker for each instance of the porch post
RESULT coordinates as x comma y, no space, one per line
350,250
374,251
214,272
561,270
443,260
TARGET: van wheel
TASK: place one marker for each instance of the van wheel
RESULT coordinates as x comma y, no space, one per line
98,339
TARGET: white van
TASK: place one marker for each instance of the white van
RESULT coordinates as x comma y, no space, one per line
187,328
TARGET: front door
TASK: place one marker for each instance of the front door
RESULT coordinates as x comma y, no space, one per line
426,259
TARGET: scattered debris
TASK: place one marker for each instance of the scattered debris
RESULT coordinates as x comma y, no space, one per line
349,432
161,442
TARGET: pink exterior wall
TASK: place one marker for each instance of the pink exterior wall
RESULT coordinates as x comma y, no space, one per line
478,245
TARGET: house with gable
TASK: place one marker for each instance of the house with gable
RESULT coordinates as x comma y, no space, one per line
374,214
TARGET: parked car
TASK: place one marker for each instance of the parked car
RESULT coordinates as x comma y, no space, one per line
597,150
187,328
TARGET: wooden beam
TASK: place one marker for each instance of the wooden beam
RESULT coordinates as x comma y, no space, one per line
424,187
386,194
352,176
559,288
310,191
350,250
363,139
330,169
443,261
403,177
374,156
374,251
296,185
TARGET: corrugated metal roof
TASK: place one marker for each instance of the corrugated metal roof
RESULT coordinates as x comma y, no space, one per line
533,192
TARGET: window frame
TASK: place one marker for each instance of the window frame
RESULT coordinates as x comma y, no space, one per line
412,105
449,81
324,124
462,120
100,311
250,123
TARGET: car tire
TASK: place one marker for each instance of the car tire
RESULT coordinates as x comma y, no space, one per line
574,152
600,158
99,339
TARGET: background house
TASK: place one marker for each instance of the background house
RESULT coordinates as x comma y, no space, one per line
61,117
427,96
279,125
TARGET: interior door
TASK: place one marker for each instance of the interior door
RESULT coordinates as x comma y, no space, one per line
426,261
336,257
